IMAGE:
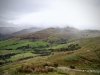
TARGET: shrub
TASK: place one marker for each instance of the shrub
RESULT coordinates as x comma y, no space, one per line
45,64
55,65
72,67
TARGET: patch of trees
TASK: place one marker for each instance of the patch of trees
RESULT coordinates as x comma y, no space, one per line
25,58
4,62
6,56
9,49
70,47
14,43
73,47
41,46
42,52
63,41
23,47
1,63
58,41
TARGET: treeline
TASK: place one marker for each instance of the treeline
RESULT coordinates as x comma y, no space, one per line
71,47
23,47
57,41
42,52
29,47
5,61
5,57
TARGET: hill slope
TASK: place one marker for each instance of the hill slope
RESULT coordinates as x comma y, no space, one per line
67,33
85,58
50,36
26,31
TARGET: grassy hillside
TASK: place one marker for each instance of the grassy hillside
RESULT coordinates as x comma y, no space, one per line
68,47
68,33
16,42
87,57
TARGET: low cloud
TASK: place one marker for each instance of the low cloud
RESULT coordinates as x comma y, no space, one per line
82,14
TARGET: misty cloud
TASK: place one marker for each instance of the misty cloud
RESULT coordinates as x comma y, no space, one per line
12,8
21,5
4,23
82,14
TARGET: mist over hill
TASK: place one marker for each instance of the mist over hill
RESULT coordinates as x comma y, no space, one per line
49,37
26,31
9,30
65,32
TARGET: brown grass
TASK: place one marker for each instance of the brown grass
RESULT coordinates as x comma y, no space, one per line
35,69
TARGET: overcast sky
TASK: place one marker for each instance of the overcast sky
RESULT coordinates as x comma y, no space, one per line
82,14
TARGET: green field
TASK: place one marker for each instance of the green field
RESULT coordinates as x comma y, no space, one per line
87,57
15,42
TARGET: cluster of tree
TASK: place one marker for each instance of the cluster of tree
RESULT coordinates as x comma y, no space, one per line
6,61
6,56
23,47
9,49
42,52
41,46
57,41
4,47
14,43
63,41
25,58
27,47
73,47
70,47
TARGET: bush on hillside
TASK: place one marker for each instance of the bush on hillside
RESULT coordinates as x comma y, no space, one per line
72,67
35,69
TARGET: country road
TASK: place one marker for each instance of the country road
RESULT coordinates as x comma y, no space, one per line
90,71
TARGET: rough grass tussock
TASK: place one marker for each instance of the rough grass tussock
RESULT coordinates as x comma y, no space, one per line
35,69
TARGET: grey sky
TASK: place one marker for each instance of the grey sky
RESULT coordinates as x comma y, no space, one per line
82,14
